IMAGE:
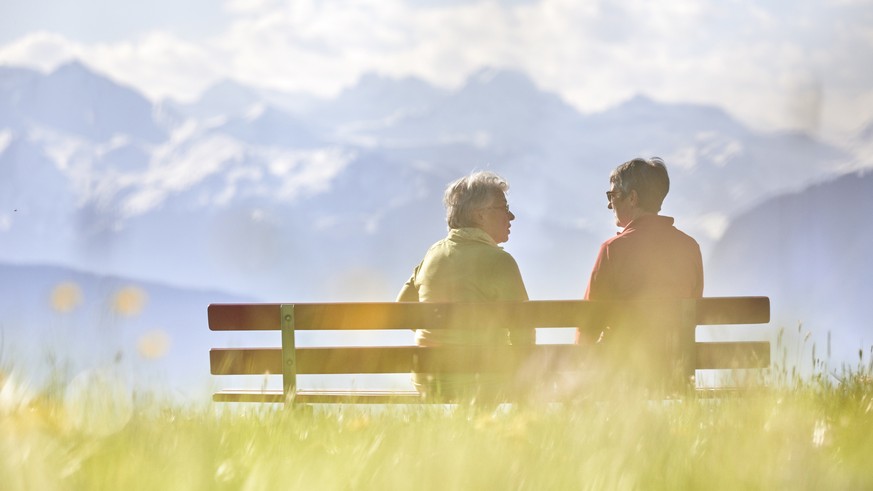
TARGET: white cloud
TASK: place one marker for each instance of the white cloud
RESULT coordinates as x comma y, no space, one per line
247,6
306,172
685,157
160,65
60,148
713,225
709,146
281,174
40,50
5,140
772,68
175,169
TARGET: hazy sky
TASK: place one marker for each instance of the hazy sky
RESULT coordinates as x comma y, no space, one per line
774,64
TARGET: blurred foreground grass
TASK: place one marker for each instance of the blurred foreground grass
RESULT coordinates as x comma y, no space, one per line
813,434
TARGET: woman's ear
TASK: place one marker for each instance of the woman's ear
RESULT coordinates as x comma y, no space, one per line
633,198
478,217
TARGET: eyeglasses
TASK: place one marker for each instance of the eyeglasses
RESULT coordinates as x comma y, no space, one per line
612,195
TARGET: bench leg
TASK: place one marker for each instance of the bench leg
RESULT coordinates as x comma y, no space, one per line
289,355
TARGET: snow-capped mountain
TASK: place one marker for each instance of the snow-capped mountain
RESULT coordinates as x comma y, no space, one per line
295,198
74,101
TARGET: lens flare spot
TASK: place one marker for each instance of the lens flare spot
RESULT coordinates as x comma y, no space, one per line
154,344
129,301
98,402
65,297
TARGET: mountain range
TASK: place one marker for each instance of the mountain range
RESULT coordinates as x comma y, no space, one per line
289,197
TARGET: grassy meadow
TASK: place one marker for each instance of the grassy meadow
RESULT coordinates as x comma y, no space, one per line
91,432
811,433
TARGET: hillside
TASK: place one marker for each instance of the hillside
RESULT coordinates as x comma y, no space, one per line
57,322
809,251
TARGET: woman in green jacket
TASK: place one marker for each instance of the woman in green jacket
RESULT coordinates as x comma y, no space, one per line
469,266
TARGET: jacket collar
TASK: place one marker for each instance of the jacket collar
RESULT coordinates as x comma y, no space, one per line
472,234
647,221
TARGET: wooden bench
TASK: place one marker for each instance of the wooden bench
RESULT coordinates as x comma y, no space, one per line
289,361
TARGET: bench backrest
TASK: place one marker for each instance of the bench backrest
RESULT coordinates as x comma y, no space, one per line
290,360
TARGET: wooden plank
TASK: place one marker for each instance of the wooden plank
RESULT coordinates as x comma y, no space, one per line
391,315
413,315
354,396
245,361
402,359
393,359
403,315
345,396
249,396
345,316
243,317
388,359
733,310
406,315
359,397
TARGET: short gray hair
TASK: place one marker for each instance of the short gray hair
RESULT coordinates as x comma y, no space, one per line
470,193
648,177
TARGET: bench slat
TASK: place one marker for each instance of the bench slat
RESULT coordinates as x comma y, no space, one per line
399,359
733,310
355,396
248,396
413,315
399,315
384,359
352,396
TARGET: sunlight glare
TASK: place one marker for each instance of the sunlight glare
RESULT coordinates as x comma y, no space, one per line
153,344
66,296
129,301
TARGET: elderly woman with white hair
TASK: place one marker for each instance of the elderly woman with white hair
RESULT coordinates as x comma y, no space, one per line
469,266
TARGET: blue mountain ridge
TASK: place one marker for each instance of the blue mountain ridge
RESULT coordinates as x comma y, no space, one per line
58,322
809,251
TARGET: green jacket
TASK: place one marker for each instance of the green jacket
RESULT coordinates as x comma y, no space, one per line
466,266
